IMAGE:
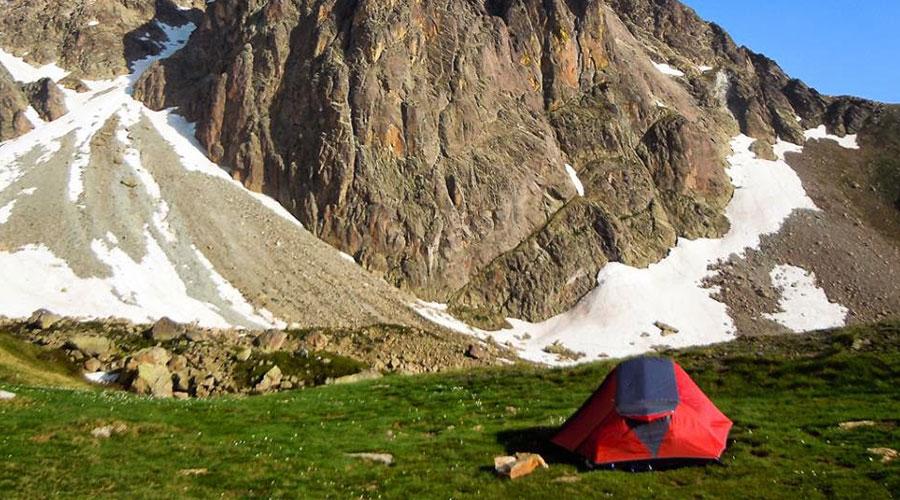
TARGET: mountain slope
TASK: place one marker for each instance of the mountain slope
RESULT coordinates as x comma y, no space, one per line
433,141
111,210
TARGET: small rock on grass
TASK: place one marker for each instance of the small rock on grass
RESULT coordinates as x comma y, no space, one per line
855,424
518,466
107,431
887,454
382,458
193,472
7,396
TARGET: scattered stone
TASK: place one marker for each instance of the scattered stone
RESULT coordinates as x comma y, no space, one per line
518,466
107,431
475,351
271,340
567,479
383,458
7,396
665,330
43,319
178,363
357,377
197,335
244,354
152,380
193,472
887,454
317,341
181,395
562,352
90,345
72,83
269,381
855,424
165,330
860,343
92,365
150,356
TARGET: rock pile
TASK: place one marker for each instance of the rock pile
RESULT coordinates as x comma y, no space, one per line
168,359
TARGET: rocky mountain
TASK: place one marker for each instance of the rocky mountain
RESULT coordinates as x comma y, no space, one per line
496,156
431,139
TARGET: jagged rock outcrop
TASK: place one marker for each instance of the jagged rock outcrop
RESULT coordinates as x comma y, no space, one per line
429,139
46,98
93,38
13,105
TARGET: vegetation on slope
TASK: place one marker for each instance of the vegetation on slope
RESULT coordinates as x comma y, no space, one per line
787,396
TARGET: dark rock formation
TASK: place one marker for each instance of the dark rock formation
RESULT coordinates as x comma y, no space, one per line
46,98
13,104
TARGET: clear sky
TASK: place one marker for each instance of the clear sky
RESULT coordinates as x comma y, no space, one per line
840,47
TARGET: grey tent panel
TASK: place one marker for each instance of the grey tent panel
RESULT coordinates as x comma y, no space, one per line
646,387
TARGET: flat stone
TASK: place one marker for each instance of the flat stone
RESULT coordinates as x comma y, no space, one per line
91,345
383,458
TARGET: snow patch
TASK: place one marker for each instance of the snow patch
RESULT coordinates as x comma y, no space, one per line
820,133
102,377
667,70
573,175
23,72
804,306
6,212
618,317
704,68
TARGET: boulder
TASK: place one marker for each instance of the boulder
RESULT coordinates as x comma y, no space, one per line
271,380
7,396
90,345
46,98
92,365
271,340
149,356
357,377
43,319
152,380
383,458
520,465
177,363
165,330
244,354
665,329
317,341
475,351
72,83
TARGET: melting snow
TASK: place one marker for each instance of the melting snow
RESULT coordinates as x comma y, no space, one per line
575,180
617,318
102,377
139,291
704,68
26,73
848,141
804,306
667,70
6,211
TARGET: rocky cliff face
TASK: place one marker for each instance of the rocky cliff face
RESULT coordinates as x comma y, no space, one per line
95,39
430,139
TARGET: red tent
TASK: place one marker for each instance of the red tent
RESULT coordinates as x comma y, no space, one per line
647,409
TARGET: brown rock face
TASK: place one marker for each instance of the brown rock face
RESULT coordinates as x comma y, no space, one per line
429,139
94,38
13,104
46,98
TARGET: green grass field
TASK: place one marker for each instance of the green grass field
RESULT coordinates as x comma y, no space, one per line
786,396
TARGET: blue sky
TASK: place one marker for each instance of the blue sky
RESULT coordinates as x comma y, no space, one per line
837,46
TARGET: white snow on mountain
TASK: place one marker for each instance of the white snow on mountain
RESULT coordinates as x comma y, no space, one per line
140,290
804,306
667,70
573,175
618,318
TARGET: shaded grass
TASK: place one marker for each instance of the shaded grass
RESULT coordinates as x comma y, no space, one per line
787,396
24,363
